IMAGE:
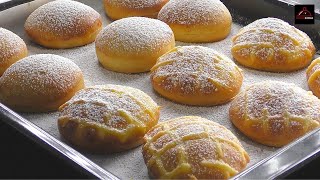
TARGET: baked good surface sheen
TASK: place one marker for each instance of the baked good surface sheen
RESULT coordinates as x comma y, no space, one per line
196,75
118,9
12,49
63,24
40,83
271,44
192,147
313,75
197,20
275,113
107,118
133,45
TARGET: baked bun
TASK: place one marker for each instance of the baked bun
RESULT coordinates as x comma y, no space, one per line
133,45
40,83
12,49
109,118
313,75
270,44
275,113
197,20
63,24
118,9
196,75
192,147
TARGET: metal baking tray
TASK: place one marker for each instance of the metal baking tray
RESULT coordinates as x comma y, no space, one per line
266,162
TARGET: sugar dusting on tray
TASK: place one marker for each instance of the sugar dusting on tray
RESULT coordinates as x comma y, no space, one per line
130,164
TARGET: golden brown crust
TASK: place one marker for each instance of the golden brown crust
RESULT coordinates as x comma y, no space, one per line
12,49
40,83
271,44
192,147
275,113
313,75
133,45
197,20
196,75
63,24
117,9
105,119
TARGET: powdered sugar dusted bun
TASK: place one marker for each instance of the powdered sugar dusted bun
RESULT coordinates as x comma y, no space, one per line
63,24
107,118
271,44
12,49
197,20
313,75
118,9
133,45
275,113
196,75
192,147
40,83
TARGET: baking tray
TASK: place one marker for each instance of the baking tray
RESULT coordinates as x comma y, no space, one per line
266,162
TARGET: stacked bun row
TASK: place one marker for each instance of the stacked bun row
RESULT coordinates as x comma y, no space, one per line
112,118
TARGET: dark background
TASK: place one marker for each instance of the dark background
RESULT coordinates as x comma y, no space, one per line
22,158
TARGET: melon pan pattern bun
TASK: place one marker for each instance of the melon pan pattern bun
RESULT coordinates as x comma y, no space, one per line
192,147
107,118
275,113
313,75
196,75
270,44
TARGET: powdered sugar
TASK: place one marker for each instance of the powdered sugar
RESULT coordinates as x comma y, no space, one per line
194,68
193,141
192,12
62,18
38,72
271,39
135,35
10,44
104,105
279,99
135,4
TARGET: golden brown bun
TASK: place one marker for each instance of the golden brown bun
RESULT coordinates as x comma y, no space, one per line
275,113
270,44
63,24
133,45
313,75
118,9
197,20
109,118
192,147
196,75
40,83
12,49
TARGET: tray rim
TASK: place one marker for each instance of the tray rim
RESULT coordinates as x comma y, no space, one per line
25,126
